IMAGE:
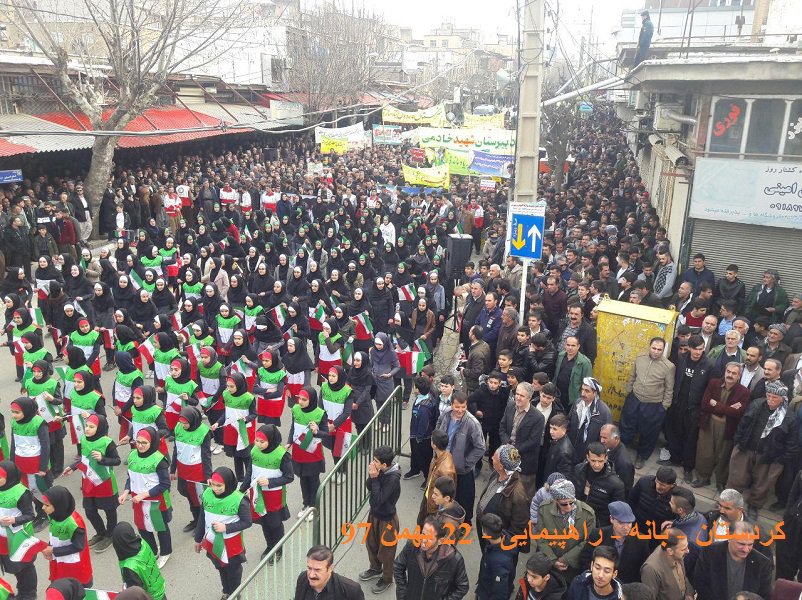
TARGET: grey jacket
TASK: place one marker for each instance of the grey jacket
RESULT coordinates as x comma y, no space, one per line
467,446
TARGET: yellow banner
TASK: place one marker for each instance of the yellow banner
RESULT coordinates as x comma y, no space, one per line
484,121
329,145
434,116
436,177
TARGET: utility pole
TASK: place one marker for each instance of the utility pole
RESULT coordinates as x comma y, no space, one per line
527,145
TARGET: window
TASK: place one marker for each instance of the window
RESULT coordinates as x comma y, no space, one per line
728,125
433,43
765,123
793,130
444,43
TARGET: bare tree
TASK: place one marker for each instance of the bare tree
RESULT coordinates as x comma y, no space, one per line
333,51
127,51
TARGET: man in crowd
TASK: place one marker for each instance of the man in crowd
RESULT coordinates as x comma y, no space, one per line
587,417
596,483
649,393
724,402
478,361
523,427
664,570
766,440
682,417
570,371
650,498
617,455
466,445
321,582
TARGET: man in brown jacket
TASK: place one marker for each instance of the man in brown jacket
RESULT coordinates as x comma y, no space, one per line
442,465
664,571
723,404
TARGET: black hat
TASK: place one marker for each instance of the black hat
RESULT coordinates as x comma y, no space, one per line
666,475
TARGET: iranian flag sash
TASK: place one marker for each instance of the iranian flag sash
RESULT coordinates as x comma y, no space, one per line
17,541
266,499
149,513
97,481
294,384
188,452
344,438
222,546
19,544
238,432
305,446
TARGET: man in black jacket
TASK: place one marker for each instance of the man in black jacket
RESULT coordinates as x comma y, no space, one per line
682,417
595,482
384,484
523,426
320,582
617,455
766,441
650,497
632,550
717,574
487,405
580,329
431,571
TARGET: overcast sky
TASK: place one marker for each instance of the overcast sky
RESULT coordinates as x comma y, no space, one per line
498,16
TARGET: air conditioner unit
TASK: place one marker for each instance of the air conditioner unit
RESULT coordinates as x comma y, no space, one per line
661,123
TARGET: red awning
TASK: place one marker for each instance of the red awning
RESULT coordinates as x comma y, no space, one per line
8,148
153,119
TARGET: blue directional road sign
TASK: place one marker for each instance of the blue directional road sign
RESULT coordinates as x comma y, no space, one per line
525,231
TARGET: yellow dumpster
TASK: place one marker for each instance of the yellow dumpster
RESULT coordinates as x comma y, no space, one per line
623,331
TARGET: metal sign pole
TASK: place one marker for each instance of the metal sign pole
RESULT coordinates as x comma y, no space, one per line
524,275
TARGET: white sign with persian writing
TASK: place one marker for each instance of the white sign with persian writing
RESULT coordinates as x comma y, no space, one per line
748,191
492,141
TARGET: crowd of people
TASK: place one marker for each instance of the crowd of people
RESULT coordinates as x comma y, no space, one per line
262,291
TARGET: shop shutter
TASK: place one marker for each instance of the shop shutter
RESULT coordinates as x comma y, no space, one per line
754,248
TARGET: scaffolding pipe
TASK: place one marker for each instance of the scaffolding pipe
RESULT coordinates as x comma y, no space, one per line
580,91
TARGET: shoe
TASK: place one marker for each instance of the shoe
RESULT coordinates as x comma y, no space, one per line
189,526
339,478
102,545
265,553
697,483
404,404
664,454
370,574
275,558
385,428
639,462
17,379
380,586
411,475
687,476
217,450
777,507
301,512
109,367
423,485
95,539
310,517
163,561
224,596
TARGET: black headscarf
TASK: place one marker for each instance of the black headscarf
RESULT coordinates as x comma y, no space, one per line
341,379
11,473
62,501
298,361
75,357
34,338
49,272
191,316
312,393
193,416
245,350
186,371
124,362
229,479
239,383
102,428
103,302
361,377
166,342
148,396
266,332
68,588
155,440
356,307
273,435
44,367
125,541
28,408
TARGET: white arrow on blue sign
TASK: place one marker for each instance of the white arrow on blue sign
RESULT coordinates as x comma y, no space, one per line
525,231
